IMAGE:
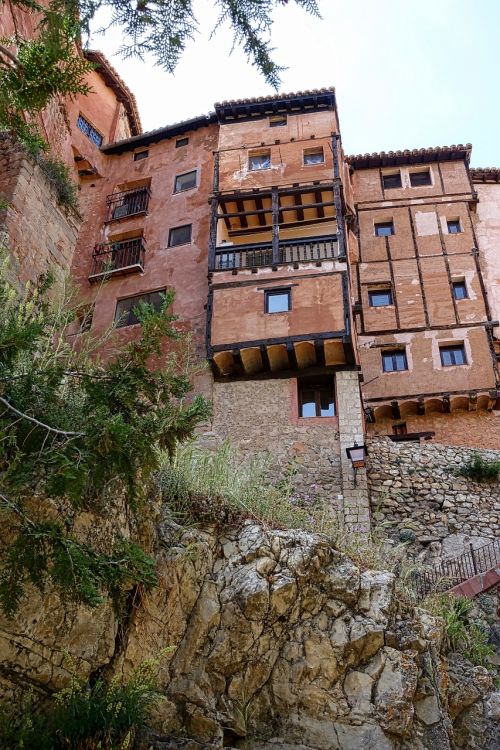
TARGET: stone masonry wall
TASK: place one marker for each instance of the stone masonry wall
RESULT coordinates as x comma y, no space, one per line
258,417
414,486
38,233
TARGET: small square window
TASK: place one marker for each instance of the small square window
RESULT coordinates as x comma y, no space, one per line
259,161
460,290
125,308
141,155
391,181
380,297
384,229
420,179
394,360
179,235
181,142
185,181
276,121
314,156
316,398
453,355
278,300
454,226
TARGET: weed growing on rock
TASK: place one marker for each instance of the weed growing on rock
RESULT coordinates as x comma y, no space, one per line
479,469
463,634
101,716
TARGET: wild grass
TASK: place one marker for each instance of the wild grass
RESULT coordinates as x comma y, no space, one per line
480,469
220,486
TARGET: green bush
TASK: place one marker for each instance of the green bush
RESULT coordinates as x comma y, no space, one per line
104,716
479,469
463,634
58,174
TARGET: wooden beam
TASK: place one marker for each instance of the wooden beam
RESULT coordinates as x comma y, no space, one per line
492,399
396,414
319,347
421,406
223,216
242,212
319,203
292,357
276,229
260,208
472,401
446,403
370,415
265,358
300,211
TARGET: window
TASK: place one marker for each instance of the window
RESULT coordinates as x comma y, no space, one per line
91,133
391,181
277,121
125,315
179,235
394,360
314,156
316,398
259,161
180,142
419,179
460,289
185,181
452,355
384,229
141,155
454,226
277,300
380,297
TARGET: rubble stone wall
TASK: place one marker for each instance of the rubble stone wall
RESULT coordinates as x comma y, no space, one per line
415,487
38,233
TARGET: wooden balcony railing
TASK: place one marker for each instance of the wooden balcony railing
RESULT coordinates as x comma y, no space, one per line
228,257
117,258
127,203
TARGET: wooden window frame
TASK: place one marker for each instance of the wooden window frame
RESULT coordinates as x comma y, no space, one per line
452,349
183,174
454,222
393,354
138,155
420,172
275,293
311,152
125,321
317,385
179,244
380,224
390,175
255,154
277,121
460,284
382,290
89,131
181,142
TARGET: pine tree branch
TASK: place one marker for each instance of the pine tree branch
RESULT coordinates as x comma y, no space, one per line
37,422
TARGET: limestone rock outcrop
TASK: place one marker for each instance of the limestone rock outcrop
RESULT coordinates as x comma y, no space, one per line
277,641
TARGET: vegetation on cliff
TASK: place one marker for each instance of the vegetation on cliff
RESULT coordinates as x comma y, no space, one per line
77,433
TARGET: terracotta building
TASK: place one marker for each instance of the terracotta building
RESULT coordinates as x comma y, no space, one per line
335,298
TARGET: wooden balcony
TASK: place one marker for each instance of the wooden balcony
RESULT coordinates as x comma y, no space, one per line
117,258
127,203
290,252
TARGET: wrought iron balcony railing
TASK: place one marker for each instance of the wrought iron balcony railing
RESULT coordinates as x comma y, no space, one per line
115,258
127,203
228,257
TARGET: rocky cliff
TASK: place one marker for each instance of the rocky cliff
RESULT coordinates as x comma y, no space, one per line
277,640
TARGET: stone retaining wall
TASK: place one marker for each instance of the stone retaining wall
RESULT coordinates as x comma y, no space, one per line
414,487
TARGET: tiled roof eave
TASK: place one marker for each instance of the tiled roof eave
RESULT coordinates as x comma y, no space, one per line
410,156
485,174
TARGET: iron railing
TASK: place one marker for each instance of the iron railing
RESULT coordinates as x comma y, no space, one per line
127,203
455,570
229,257
118,258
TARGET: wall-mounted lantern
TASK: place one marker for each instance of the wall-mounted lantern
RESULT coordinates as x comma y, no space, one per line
357,454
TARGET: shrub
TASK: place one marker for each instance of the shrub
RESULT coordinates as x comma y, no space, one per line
58,174
463,634
104,716
480,469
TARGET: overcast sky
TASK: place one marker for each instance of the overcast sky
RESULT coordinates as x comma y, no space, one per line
407,74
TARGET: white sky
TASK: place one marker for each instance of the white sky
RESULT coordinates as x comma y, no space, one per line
407,75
